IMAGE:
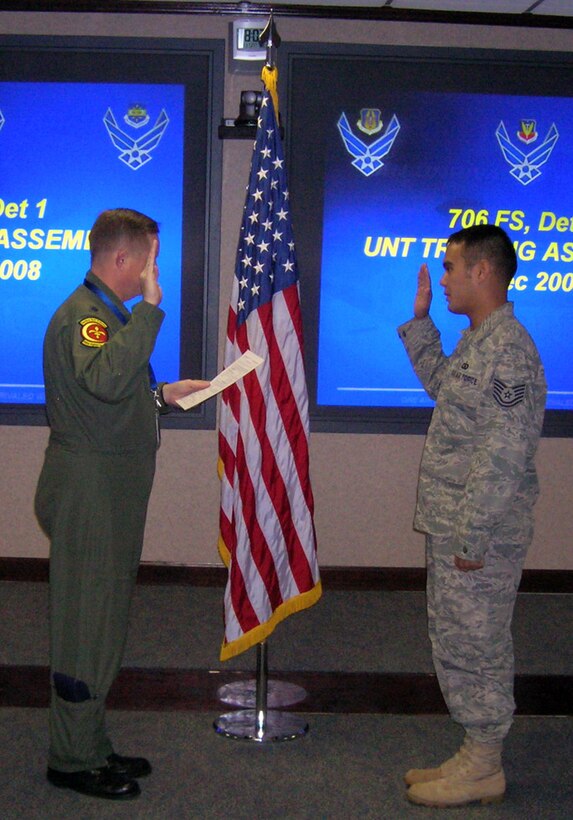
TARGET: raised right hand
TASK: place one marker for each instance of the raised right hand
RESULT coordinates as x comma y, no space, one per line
149,277
423,298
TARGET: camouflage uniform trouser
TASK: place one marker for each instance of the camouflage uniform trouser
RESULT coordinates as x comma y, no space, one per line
469,621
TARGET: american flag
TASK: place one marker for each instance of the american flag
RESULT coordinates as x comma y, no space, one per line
267,538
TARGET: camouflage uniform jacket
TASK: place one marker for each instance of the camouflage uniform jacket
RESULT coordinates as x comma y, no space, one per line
477,471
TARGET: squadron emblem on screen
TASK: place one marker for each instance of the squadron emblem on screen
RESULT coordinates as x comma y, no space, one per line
525,167
368,157
135,151
136,116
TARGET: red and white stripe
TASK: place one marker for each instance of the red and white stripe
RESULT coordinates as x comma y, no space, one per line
267,536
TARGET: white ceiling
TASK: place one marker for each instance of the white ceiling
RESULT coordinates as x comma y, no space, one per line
558,7
561,7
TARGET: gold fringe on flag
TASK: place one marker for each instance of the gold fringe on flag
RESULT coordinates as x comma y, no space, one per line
270,76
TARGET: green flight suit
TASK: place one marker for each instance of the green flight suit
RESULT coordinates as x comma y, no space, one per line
92,501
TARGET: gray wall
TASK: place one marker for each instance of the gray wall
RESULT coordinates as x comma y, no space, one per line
364,485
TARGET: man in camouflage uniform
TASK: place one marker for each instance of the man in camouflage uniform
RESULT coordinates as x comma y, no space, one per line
93,491
476,492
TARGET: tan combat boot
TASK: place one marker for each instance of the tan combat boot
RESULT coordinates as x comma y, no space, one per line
424,775
478,775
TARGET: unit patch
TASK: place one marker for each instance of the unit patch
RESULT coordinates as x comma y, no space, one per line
507,396
94,332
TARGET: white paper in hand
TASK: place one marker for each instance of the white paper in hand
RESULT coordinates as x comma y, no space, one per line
243,365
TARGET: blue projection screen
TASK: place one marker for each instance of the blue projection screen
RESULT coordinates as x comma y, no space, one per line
406,149
101,132
86,163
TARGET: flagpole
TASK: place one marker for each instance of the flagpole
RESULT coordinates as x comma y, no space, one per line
265,296
277,693
270,39
262,681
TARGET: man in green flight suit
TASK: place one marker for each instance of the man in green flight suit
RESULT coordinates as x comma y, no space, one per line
102,404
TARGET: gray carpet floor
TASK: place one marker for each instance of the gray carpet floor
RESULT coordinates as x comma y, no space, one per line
371,631
347,766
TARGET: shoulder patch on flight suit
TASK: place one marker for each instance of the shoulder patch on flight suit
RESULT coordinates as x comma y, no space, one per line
507,396
93,331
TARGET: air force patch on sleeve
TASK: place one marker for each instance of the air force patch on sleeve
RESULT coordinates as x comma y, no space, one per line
93,332
507,396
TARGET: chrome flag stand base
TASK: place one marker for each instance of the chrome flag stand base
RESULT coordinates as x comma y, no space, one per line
258,724
244,693
247,724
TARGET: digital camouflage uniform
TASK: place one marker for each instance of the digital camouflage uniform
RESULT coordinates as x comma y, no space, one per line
476,492
91,501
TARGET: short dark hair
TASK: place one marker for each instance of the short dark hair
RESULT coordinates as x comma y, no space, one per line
490,242
119,224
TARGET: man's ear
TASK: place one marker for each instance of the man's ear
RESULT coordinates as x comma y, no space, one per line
119,258
484,271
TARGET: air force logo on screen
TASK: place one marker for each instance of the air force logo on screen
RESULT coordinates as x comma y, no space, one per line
2,120
368,158
135,151
525,167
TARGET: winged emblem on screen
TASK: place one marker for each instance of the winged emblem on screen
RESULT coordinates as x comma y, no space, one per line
135,151
368,157
525,167
2,120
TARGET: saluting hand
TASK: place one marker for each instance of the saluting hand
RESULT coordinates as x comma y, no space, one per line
149,277
423,298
